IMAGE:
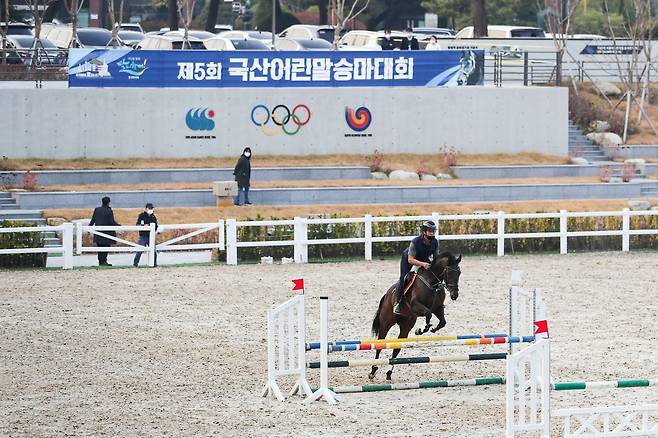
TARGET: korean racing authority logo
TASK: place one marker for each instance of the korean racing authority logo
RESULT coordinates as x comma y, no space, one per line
290,122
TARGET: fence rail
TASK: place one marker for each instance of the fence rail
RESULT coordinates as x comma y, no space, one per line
228,232
300,240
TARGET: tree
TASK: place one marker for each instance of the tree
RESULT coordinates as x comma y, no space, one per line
456,14
111,12
344,12
211,20
73,8
172,14
479,18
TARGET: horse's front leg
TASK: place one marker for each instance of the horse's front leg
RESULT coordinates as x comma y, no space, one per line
420,309
440,313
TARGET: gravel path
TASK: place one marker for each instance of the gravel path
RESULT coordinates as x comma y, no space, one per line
181,351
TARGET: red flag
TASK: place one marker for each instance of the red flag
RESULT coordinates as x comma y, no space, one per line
542,327
298,284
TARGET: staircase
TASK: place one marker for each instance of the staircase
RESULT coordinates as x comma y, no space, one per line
9,210
581,146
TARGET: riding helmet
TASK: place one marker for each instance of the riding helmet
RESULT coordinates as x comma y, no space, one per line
428,226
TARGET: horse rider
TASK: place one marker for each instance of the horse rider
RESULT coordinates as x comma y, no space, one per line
417,256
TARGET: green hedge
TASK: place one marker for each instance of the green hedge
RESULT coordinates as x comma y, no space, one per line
21,240
468,247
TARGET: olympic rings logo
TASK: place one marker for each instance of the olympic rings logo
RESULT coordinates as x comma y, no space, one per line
282,118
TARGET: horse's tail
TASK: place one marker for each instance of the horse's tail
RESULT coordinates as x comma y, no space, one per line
375,321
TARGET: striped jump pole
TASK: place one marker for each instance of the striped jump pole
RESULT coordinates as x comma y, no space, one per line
393,344
420,385
408,360
316,345
631,383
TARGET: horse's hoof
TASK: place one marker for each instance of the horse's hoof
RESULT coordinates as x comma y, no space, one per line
418,332
371,376
388,375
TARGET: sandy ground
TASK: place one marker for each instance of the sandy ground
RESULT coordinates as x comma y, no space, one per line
181,351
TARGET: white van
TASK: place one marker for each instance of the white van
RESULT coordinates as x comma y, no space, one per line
502,32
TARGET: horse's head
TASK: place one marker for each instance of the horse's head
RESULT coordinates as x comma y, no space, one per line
446,268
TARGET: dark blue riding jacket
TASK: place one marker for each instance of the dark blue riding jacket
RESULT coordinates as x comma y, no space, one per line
419,250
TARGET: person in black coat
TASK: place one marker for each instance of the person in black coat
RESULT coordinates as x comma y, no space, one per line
146,217
242,174
387,42
103,215
409,42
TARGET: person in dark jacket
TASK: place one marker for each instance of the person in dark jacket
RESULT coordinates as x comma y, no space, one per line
146,218
387,42
418,254
409,42
242,174
103,216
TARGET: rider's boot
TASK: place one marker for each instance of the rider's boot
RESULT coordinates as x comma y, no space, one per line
398,299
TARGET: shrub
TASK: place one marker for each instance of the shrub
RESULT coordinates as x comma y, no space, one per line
585,110
375,161
21,240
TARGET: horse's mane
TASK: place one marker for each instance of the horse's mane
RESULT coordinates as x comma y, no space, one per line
450,256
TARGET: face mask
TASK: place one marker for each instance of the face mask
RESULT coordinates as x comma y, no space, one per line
149,211
409,35
247,154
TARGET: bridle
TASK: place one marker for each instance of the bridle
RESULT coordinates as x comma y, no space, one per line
440,279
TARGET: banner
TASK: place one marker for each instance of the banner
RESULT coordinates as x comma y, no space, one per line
211,69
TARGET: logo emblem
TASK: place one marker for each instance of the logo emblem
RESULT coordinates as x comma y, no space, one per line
133,66
199,119
358,120
290,122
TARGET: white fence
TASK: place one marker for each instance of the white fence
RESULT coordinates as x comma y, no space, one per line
300,241
300,236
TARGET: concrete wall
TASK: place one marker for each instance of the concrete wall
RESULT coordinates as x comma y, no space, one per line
98,123
341,195
145,176
541,171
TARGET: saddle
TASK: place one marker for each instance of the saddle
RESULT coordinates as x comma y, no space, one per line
408,282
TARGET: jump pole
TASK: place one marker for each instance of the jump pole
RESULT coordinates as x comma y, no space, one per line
323,391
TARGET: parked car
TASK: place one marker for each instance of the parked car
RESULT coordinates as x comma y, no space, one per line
86,37
221,43
505,32
263,37
14,28
131,37
307,31
219,28
285,44
367,40
439,32
198,34
135,27
158,42
23,50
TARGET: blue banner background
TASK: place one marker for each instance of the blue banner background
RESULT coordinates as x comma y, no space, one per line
212,69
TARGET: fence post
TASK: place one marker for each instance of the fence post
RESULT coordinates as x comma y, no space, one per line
67,243
626,230
501,233
563,232
301,237
231,242
78,238
525,69
220,235
152,247
367,233
435,218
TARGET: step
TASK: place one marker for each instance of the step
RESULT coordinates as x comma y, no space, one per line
51,241
5,195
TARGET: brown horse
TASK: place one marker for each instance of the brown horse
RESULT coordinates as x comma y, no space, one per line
425,298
